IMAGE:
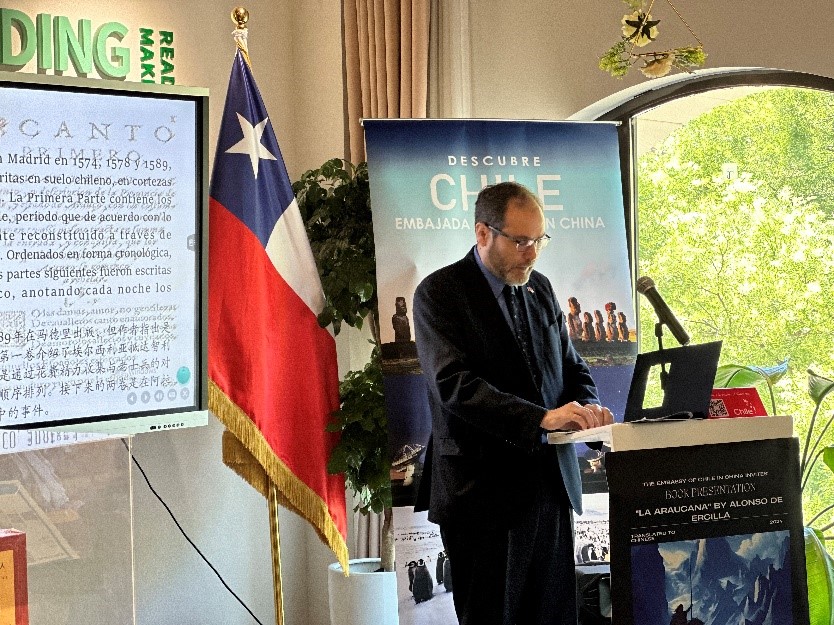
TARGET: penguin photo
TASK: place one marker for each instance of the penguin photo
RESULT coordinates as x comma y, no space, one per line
447,574
411,566
423,585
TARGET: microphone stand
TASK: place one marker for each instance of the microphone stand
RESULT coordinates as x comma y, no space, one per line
664,375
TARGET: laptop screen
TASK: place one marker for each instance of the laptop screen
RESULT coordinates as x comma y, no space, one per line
687,382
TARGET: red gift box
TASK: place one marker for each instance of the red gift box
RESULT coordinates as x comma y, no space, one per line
14,594
736,402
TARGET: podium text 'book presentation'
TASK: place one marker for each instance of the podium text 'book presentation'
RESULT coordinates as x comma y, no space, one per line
706,523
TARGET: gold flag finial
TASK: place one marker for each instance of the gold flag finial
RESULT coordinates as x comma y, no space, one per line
240,16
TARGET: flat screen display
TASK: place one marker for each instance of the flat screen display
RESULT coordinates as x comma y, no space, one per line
102,272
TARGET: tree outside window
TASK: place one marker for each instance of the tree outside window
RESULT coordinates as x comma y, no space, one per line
736,226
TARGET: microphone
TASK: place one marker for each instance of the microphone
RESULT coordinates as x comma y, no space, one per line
645,285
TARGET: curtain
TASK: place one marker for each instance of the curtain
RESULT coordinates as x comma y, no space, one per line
386,55
367,535
402,59
450,93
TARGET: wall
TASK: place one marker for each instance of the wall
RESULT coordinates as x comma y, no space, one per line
540,60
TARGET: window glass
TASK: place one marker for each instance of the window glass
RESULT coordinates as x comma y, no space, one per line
735,224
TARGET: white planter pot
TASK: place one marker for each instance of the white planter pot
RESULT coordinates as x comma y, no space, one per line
366,597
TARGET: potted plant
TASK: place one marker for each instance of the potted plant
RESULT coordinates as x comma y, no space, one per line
334,201
818,562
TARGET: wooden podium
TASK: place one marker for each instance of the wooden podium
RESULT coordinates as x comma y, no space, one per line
706,523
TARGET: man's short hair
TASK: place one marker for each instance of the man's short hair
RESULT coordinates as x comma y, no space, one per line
492,202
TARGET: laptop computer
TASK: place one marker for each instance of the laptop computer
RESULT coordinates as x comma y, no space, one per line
689,378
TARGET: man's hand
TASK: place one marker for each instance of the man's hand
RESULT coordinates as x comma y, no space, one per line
574,416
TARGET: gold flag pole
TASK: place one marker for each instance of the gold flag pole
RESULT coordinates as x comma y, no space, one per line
240,17
275,540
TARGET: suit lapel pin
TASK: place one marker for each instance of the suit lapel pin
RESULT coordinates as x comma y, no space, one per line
530,290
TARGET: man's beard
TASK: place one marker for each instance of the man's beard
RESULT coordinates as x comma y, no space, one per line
514,274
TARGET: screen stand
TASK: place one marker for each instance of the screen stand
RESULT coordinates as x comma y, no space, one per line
664,375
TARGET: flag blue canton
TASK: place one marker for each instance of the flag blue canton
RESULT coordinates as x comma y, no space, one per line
258,201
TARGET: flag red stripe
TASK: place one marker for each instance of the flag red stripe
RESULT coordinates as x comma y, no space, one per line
269,355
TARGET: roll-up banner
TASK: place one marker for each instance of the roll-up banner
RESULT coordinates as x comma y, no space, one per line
425,176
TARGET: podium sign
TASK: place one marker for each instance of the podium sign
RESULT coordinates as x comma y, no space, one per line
708,534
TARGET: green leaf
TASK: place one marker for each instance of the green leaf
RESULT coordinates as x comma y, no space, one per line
819,387
335,203
820,573
614,62
689,57
828,457
365,290
326,316
735,376
337,463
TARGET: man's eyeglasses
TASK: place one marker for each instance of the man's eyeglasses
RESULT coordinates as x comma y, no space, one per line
522,244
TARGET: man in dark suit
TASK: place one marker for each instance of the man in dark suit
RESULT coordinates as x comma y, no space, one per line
501,372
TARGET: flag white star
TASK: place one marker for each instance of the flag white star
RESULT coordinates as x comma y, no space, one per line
251,143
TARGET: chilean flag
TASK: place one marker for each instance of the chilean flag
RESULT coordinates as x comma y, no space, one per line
273,376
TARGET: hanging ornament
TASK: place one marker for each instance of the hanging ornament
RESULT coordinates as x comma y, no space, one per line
639,29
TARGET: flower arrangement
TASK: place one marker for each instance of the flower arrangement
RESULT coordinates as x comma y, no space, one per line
640,29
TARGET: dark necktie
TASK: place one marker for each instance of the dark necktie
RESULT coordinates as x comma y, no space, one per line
520,327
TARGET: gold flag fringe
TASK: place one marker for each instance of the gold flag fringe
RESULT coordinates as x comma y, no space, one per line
247,453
